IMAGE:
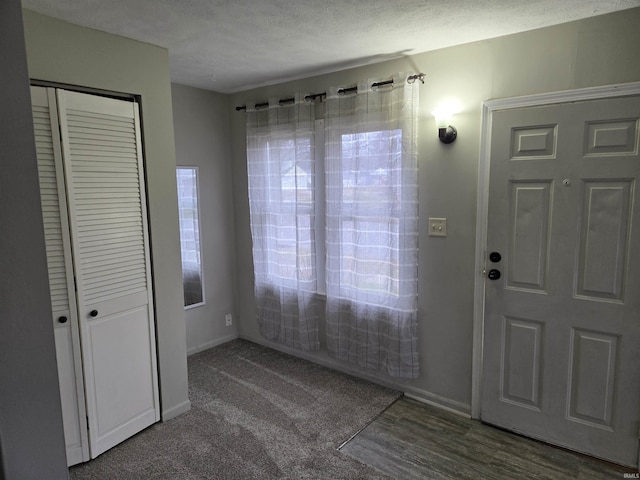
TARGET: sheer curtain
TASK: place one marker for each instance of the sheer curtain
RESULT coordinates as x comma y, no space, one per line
372,226
281,171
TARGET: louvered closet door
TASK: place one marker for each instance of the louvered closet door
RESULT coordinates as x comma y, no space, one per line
105,189
65,317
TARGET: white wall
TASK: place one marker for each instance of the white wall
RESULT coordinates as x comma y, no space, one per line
201,126
597,51
31,432
68,54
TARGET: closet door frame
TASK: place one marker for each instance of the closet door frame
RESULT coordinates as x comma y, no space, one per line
91,445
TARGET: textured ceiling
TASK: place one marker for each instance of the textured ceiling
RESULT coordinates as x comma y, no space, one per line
234,45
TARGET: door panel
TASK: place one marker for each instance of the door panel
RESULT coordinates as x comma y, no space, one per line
530,219
611,137
60,267
592,374
605,223
130,407
74,428
105,187
522,362
534,142
562,324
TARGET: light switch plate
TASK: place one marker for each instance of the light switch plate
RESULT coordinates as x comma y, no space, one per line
437,227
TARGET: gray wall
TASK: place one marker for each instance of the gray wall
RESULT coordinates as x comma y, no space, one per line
68,54
31,433
597,51
201,127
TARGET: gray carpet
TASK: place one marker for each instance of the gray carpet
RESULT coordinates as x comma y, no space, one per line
256,414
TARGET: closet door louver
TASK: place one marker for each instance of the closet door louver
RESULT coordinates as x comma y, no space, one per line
107,204
56,231
48,155
105,190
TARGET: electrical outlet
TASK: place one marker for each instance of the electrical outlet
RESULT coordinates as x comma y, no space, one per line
228,319
437,227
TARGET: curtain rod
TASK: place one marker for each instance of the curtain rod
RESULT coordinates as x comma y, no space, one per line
342,91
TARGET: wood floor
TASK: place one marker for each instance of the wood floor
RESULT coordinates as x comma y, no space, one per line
411,440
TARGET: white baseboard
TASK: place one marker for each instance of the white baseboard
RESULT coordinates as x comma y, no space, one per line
322,358
176,410
211,344
439,401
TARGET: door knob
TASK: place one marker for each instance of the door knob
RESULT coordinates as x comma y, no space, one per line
493,274
495,257
62,319
93,313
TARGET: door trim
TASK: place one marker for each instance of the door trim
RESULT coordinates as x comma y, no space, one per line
482,210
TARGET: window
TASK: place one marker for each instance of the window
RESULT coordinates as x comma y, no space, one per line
188,214
372,227
284,204
281,174
349,186
369,225
369,211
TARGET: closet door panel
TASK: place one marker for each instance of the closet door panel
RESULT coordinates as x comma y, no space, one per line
75,426
104,173
61,284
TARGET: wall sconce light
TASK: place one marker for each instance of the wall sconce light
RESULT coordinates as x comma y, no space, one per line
443,115
447,134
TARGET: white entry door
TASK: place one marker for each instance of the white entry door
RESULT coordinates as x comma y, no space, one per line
562,306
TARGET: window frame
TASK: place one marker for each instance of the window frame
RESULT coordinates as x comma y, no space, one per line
320,211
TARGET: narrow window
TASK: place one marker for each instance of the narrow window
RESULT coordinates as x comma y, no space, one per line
188,212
